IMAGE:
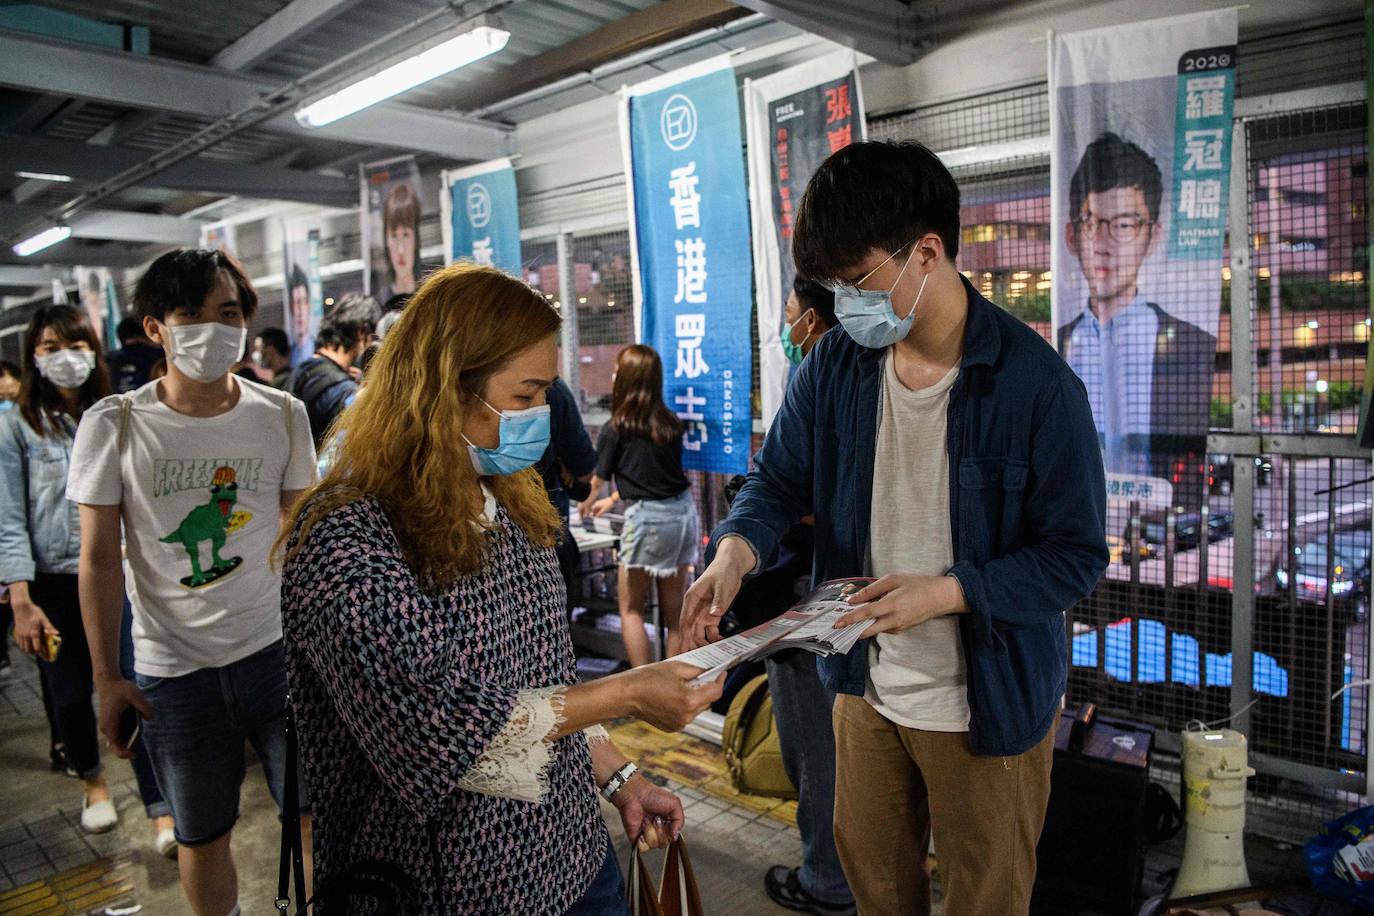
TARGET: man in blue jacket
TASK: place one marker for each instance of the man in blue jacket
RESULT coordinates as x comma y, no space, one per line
945,449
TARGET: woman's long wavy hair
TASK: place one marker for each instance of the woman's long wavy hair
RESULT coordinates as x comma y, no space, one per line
637,408
400,441
39,401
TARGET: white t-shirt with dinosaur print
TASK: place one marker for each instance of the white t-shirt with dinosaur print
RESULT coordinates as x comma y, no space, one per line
201,501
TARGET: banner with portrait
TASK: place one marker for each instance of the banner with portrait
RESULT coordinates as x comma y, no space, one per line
689,228
303,289
794,120
480,216
392,205
1141,137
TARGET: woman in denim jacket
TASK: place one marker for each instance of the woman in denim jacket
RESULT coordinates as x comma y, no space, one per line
40,534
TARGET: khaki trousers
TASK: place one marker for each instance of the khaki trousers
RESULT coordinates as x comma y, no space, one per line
894,786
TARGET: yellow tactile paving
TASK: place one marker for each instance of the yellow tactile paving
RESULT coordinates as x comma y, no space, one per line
694,763
74,891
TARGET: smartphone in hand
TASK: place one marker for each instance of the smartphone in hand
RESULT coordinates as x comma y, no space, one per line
129,722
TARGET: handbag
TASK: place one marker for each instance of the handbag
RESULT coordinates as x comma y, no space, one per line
677,895
388,887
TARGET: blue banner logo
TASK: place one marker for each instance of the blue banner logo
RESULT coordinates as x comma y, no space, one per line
1202,153
692,238
485,218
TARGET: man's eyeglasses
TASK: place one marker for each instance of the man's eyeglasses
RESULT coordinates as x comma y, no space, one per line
1119,228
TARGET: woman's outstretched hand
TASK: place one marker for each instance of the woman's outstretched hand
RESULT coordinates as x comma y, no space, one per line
663,695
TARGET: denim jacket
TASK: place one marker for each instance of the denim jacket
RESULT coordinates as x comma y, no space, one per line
1027,507
40,529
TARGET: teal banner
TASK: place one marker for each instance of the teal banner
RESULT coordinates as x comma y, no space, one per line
1202,153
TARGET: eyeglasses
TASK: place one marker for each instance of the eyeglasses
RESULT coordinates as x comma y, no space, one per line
1119,228
835,285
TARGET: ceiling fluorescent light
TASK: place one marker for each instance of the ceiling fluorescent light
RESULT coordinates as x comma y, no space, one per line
45,239
43,176
420,67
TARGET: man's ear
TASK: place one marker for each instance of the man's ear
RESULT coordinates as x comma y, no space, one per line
1156,233
153,330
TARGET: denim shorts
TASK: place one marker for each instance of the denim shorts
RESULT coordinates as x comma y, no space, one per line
195,739
660,535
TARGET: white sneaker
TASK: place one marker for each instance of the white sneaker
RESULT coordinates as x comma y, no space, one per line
99,817
166,843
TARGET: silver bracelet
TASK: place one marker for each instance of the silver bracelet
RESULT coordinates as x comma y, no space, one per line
618,780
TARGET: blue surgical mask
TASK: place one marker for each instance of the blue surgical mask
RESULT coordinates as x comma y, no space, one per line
867,314
524,437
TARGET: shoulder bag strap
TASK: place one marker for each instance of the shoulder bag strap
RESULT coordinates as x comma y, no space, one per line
290,413
292,860
126,405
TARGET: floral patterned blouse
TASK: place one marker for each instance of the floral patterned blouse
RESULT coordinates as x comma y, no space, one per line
423,719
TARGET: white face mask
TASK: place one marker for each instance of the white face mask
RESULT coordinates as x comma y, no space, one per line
66,368
207,351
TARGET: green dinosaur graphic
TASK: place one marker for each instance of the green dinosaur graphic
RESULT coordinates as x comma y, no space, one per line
214,522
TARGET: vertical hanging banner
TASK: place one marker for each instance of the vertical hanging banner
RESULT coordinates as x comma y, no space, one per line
480,216
1141,135
794,120
390,212
100,301
303,302
690,247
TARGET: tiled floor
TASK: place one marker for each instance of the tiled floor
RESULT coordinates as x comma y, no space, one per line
49,866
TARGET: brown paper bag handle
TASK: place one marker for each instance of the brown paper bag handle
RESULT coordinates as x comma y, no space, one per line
639,891
678,894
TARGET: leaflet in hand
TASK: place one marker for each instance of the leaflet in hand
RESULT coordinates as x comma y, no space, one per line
809,625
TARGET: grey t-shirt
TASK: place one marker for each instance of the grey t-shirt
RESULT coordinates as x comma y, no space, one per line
916,678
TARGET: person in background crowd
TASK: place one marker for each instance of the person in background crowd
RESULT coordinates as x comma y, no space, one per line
801,703
272,351
131,366
9,392
199,467
300,317
40,536
441,723
641,450
328,381
9,384
401,230
566,468
932,440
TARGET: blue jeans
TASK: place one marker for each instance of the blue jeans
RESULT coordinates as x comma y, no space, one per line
605,896
801,707
200,721
153,802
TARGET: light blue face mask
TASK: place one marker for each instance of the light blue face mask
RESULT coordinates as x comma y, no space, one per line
524,437
867,315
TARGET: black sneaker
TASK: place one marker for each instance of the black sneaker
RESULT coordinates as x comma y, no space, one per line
784,888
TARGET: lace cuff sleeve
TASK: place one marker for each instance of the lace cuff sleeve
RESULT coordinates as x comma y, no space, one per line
515,764
596,734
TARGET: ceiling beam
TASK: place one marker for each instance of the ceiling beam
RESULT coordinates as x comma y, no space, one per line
112,77
115,225
94,164
889,30
280,29
22,275
656,25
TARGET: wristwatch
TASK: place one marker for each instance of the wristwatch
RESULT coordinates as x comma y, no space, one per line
618,780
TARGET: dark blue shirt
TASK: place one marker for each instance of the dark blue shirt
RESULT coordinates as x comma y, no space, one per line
131,366
1027,507
569,445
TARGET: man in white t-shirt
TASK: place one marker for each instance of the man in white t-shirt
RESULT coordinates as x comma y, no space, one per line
200,467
